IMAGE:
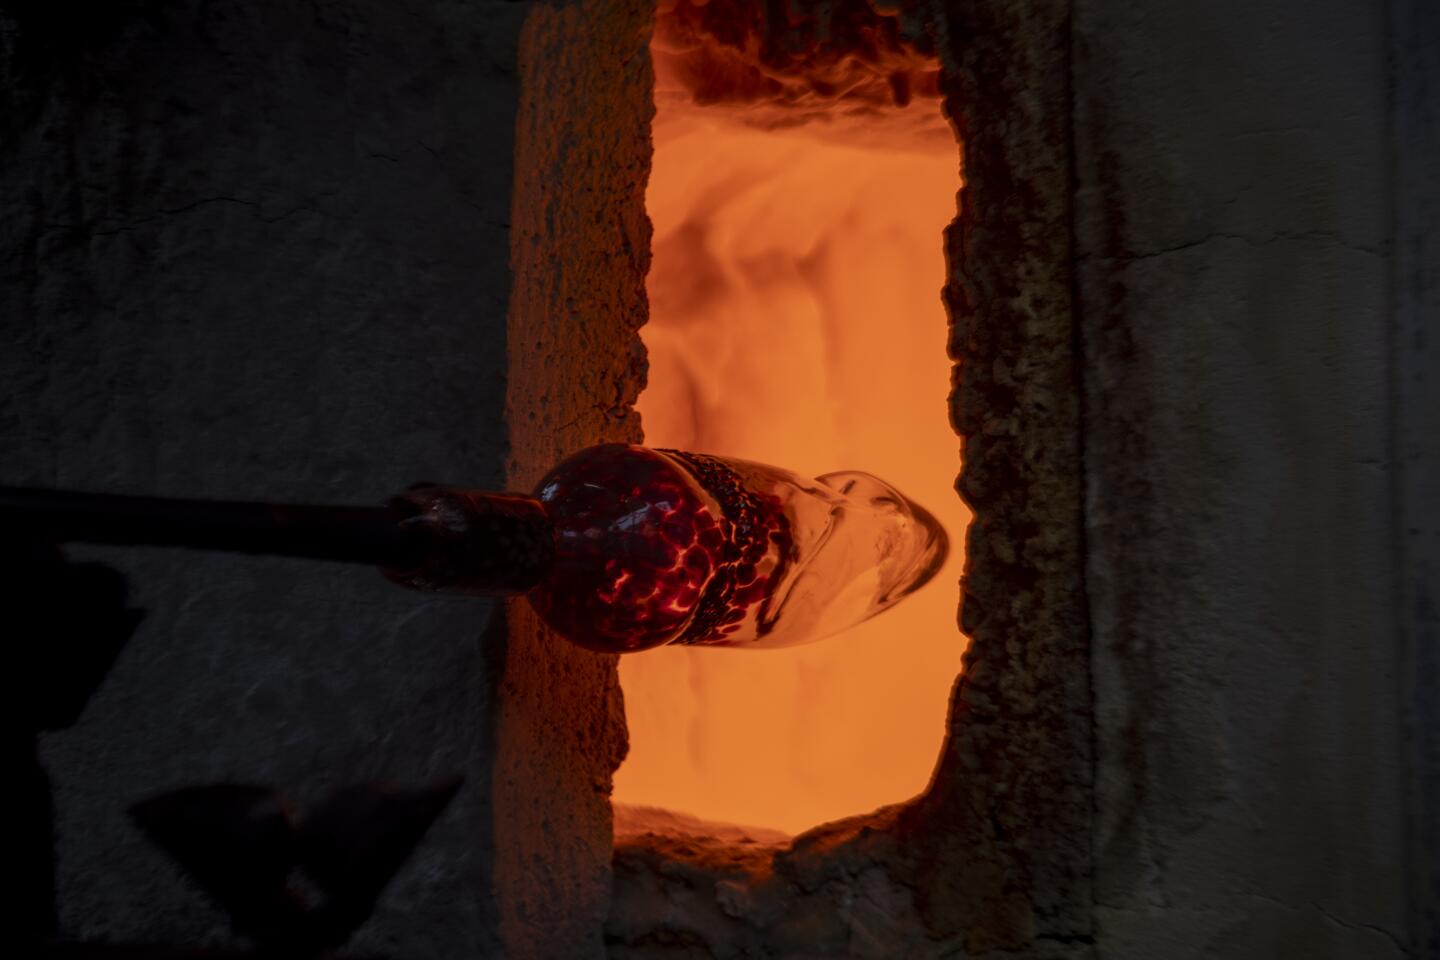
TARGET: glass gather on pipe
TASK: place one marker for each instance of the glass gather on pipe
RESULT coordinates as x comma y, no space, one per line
622,548
653,547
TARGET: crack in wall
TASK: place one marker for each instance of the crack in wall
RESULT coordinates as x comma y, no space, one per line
1256,242
1394,940
100,229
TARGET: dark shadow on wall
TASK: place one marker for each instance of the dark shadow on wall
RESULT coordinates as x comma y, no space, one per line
260,250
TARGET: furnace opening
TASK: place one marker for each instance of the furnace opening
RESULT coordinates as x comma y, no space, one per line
803,175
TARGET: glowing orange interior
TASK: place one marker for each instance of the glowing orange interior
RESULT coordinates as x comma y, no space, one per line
796,320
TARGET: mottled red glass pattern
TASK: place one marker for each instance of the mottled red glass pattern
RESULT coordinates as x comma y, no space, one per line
750,555
664,546
636,543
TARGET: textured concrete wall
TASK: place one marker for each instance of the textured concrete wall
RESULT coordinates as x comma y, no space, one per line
1414,144
580,252
1235,247
260,249
1002,835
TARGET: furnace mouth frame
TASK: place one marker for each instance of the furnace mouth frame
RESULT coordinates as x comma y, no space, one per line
996,851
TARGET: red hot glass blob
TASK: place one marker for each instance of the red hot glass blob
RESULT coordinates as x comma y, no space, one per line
636,544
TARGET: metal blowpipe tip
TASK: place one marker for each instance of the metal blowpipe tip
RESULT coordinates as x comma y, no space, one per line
621,548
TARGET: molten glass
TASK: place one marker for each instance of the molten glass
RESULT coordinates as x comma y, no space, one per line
623,548
660,546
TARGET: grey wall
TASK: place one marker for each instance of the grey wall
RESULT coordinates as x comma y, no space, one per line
580,249
1236,241
260,250
1415,143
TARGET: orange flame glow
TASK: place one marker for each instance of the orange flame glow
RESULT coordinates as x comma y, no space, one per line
796,320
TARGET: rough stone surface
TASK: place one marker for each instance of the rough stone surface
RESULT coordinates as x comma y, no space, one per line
1235,247
695,892
1002,837
260,249
580,252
